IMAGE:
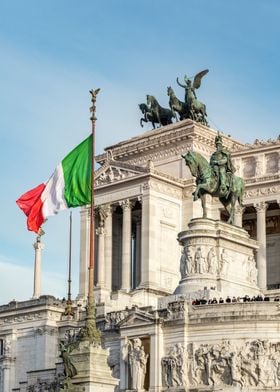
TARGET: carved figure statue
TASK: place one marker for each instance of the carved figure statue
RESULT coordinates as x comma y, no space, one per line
216,179
136,357
190,261
65,350
212,262
197,109
7,346
186,262
173,367
183,264
252,270
199,262
224,262
177,106
163,116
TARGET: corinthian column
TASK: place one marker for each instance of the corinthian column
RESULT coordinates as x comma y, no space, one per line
101,258
84,252
126,246
108,225
238,215
261,238
38,246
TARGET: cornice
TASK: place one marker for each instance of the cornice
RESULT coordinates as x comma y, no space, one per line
264,180
253,150
168,137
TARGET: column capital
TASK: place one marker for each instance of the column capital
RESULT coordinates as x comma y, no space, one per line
261,206
102,212
107,208
239,209
125,204
100,230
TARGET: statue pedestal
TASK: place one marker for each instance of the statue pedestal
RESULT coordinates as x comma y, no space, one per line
93,371
217,258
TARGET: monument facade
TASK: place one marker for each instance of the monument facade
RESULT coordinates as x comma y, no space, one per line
176,293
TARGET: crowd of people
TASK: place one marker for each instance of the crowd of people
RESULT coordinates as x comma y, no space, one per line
228,300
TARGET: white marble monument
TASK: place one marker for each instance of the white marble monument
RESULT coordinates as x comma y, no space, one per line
219,258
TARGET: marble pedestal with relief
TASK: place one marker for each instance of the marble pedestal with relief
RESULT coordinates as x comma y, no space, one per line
218,260
94,373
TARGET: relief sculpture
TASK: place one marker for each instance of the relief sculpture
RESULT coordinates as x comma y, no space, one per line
255,363
173,367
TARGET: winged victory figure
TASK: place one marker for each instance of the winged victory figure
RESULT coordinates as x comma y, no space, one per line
197,109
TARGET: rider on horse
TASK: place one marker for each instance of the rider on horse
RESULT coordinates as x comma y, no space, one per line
222,166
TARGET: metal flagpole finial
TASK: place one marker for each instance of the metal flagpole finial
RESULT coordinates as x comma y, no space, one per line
93,100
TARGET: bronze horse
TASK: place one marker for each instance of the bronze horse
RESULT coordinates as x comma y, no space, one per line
208,182
148,115
164,116
177,106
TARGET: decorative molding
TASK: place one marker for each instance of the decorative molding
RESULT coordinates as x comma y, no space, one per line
171,140
264,191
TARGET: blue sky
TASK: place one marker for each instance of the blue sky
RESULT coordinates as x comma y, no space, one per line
53,52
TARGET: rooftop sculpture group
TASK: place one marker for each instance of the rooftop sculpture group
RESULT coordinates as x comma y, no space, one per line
189,108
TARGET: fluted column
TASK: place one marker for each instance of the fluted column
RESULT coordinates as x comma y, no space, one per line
38,246
101,257
108,225
149,239
138,252
238,215
261,238
126,246
84,252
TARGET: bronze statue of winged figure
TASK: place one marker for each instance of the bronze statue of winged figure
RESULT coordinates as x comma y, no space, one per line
196,109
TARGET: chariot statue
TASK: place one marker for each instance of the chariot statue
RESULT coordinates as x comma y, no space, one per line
196,109
216,178
155,113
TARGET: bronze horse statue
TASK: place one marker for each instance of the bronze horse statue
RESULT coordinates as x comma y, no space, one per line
177,106
148,115
163,116
208,182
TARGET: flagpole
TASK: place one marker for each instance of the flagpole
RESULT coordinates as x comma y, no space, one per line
69,309
91,330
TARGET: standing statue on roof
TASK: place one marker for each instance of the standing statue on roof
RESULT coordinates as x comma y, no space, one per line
197,109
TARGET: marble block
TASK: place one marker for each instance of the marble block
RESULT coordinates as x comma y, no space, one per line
217,257
94,373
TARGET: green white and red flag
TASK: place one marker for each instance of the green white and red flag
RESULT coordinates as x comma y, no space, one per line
69,186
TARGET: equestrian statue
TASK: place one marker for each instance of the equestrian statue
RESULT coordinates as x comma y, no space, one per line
216,178
197,109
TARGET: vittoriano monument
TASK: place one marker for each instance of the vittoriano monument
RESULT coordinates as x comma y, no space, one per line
216,178
190,108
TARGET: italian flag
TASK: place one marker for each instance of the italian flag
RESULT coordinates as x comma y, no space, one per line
69,186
